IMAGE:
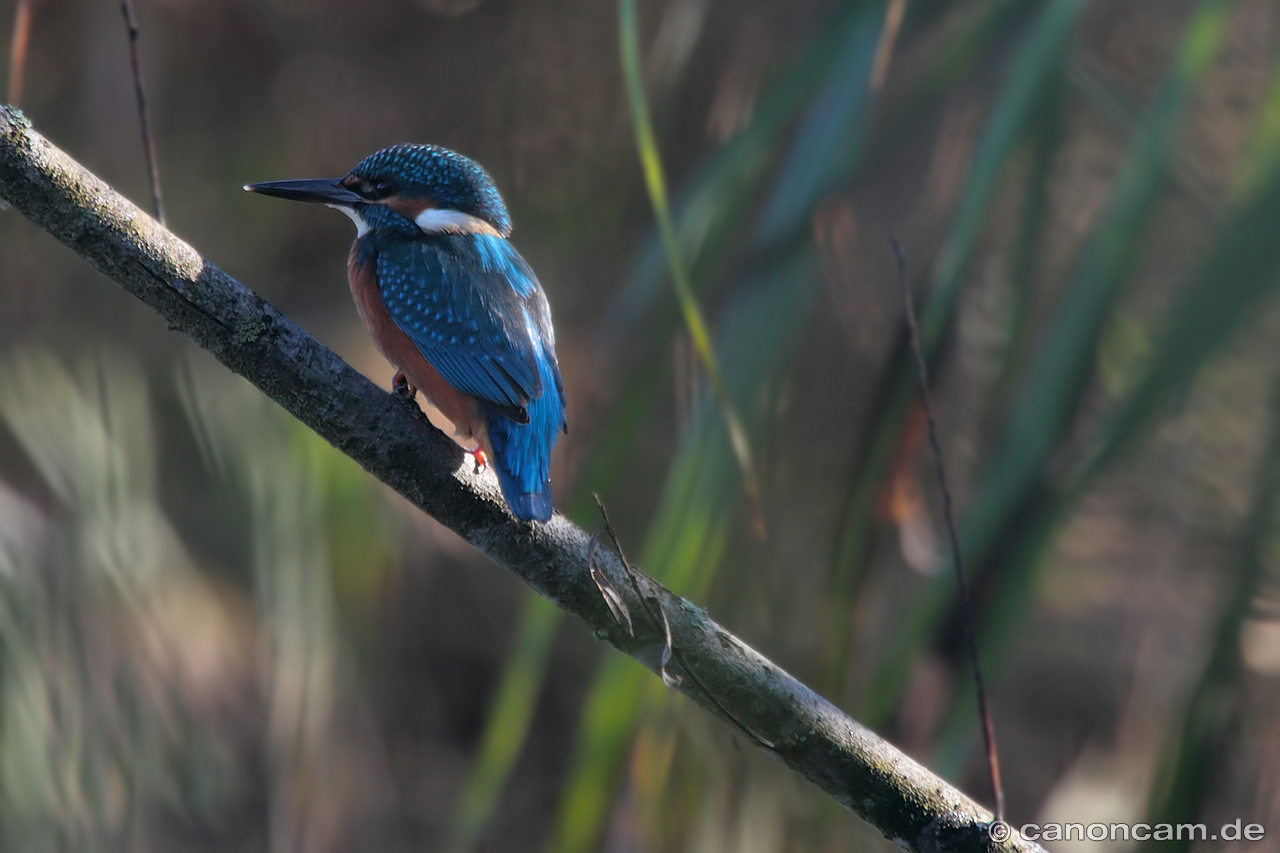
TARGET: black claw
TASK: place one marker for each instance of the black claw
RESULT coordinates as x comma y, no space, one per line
400,386
403,391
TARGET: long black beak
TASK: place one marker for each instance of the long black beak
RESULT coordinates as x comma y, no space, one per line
318,190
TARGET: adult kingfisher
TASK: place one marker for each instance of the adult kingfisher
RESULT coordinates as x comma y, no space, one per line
452,305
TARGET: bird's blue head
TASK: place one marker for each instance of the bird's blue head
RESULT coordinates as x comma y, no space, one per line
432,187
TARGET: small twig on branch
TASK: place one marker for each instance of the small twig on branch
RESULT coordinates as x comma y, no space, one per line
862,772
144,115
617,604
962,586
653,606
18,45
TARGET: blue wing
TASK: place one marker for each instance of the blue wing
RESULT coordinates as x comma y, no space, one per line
475,310
477,314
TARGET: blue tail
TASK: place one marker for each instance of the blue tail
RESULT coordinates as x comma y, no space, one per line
522,452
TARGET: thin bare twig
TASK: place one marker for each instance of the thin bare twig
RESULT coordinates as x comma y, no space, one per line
18,49
144,115
658,615
962,586
654,609
611,596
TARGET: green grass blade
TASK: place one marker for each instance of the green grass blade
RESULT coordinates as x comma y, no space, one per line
515,698
1060,368
1264,149
71,577
1199,744
709,212
1237,275
708,217
509,717
1240,271
830,137
685,541
1062,364
1034,68
655,184
1035,215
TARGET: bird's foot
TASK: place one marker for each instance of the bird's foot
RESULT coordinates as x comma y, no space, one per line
480,459
401,388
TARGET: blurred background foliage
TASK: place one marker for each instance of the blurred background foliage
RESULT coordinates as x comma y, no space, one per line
218,633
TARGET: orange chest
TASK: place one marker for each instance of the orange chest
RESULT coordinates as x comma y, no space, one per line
463,413
364,291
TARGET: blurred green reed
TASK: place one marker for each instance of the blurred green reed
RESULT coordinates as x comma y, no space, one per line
683,545
306,512
1033,78
126,671
90,762
1197,746
813,135
695,325
1065,363
94,738
1032,74
686,536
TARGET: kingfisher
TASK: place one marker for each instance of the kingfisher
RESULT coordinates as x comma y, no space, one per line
453,306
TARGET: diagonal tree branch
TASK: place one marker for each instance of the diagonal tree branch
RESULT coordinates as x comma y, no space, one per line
896,795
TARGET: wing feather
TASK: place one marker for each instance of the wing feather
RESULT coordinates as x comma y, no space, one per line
475,310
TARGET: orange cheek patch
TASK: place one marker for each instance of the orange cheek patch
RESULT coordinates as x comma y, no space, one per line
409,208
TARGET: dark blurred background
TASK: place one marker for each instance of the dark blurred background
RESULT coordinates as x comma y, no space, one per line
217,633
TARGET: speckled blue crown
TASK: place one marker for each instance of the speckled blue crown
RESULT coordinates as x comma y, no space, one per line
449,180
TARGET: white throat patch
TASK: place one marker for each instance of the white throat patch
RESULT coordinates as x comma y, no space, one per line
435,220
362,227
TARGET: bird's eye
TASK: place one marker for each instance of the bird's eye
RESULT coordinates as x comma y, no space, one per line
372,190
375,190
